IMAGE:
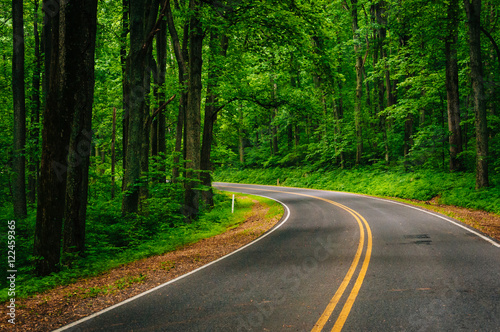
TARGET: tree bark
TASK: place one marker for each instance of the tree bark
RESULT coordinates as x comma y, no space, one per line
359,82
125,64
473,10
181,57
113,153
66,131
34,164
455,138
18,92
136,105
80,44
274,112
55,134
193,115
161,53
211,116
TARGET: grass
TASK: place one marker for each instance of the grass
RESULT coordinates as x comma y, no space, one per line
456,189
169,237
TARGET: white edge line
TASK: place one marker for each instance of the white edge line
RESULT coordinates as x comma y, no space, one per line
184,275
448,219
456,223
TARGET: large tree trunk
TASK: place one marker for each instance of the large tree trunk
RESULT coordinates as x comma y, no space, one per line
19,187
380,18
79,61
161,53
193,116
125,85
34,163
473,10
455,138
52,183
211,116
136,105
274,112
359,82
181,57
66,123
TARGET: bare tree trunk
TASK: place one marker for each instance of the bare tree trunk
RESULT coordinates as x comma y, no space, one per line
338,114
79,96
381,34
130,203
455,138
63,176
113,153
408,141
125,82
359,82
161,52
193,116
181,57
211,116
55,133
274,112
19,163
34,164
473,10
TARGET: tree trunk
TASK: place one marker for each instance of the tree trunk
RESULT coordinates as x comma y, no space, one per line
52,182
181,57
473,10
338,113
455,138
79,96
381,34
34,164
211,116
274,112
113,153
408,141
359,82
63,181
193,116
19,162
125,64
161,53
130,203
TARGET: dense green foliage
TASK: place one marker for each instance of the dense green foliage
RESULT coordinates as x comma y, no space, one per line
302,94
449,188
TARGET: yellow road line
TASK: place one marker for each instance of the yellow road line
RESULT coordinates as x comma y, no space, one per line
355,290
340,291
347,279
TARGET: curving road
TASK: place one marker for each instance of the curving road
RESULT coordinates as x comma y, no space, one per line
335,262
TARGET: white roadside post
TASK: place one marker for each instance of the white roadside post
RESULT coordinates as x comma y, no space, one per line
232,206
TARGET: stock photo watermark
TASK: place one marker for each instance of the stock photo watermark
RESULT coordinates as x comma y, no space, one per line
11,271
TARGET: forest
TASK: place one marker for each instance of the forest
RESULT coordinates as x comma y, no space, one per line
117,115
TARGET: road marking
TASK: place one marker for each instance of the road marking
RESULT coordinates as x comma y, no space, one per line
350,273
448,219
284,220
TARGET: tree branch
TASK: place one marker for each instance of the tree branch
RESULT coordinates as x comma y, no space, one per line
214,114
495,45
175,37
161,108
156,28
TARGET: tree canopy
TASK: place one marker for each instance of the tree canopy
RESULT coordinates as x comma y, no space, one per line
168,91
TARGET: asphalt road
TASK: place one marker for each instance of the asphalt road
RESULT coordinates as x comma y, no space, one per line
336,262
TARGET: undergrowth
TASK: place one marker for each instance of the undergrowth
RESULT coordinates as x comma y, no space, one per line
456,189
113,240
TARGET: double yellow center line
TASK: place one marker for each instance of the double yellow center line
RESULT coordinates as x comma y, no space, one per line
362,224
